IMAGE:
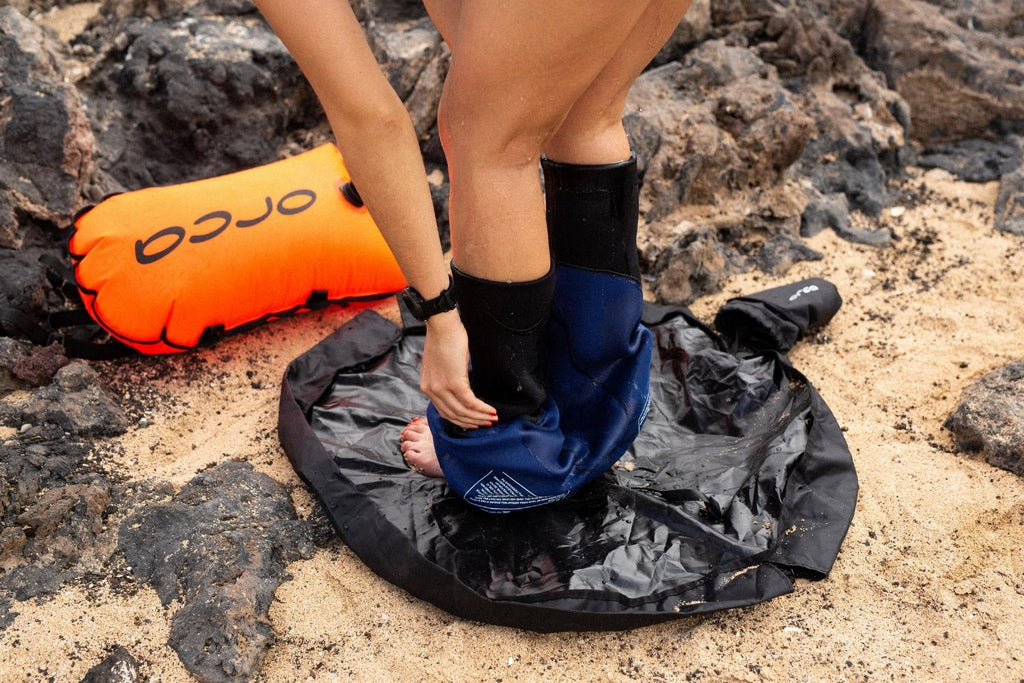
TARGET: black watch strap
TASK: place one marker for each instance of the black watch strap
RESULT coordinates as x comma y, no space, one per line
421,308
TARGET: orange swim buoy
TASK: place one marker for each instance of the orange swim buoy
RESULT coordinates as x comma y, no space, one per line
166,268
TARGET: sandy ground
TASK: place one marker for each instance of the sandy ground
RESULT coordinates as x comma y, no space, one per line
929,584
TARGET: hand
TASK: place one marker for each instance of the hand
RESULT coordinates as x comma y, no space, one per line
445,377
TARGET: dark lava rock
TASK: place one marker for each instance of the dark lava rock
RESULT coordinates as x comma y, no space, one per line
113,10
825,211
389,10
693,263
860,124
1009,215
11,353
40,364
75,402
52,514
782,251
1001,17
119,667
46,143
1009,210
973,160
426,94
37,459
833,211
644,139
23,283
715,131
221,545
959,83
779,94
990,418
403,50
64,520
193,96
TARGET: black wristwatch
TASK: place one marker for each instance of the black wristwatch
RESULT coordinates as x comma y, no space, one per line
422,309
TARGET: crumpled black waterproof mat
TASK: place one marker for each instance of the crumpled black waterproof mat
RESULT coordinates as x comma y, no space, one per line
739,482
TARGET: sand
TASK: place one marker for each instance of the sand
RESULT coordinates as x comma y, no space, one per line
929,584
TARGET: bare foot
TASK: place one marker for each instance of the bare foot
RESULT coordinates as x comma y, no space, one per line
418,448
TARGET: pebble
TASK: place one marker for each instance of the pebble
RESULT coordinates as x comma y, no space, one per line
24,428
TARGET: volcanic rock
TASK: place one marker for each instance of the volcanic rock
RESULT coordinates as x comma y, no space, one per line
46,143
1009,209
221,546
12,351
694,27
194,96
75,402
990,418
39,365
119,667
403,51
23,283
974,160
425,96
52,512
960,83
63,521
833,211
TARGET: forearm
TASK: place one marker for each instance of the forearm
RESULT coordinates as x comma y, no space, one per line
384,160
372,127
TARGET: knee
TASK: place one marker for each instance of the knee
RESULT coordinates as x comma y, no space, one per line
477,130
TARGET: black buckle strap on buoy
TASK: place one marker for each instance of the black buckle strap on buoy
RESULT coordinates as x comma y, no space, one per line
351,194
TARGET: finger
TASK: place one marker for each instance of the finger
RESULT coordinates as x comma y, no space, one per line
473,405
462,414
468,419
451,410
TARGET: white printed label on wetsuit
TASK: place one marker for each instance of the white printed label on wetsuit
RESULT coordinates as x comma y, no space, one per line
499,491
644,413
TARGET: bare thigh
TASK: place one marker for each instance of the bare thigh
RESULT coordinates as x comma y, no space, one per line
588,133
445,15
592,132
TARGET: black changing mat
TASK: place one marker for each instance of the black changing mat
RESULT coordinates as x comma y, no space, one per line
739,482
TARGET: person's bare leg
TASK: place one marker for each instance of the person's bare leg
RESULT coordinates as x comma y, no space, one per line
445,15
516,71
592,133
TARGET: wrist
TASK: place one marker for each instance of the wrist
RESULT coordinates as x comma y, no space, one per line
442,322
431,288
424,309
